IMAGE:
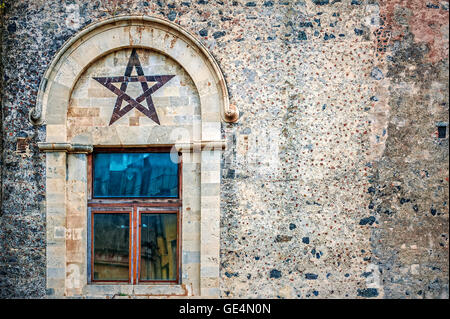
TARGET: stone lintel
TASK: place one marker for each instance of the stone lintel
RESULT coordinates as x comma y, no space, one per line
86,148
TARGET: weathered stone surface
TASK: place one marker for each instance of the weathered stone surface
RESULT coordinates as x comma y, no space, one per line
335,181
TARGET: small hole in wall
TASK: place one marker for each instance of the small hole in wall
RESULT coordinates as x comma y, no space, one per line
22,145
442,131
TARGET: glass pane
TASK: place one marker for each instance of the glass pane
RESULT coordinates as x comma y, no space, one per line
158,247
135,175
111,246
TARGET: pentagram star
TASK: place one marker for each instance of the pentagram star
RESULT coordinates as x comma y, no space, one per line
134,103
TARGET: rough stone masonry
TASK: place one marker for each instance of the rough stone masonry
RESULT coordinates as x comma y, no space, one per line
335,178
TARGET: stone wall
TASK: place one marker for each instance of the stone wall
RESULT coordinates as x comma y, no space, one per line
334,182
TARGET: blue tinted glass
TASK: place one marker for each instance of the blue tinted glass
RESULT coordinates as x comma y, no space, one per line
135,175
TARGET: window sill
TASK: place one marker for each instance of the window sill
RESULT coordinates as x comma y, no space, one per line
150,289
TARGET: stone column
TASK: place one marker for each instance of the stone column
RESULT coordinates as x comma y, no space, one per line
190,262
76,224
66,206
56,222
210,222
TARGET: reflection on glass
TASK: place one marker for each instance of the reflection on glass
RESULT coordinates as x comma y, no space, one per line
135,175
158,247
111,246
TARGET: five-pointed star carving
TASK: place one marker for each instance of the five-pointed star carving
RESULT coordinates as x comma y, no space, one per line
134,103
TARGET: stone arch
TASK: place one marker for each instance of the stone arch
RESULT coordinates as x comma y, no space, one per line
116,33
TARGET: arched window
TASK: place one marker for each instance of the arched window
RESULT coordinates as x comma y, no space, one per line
133,109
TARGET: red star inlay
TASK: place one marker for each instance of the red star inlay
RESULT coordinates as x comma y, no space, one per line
134,103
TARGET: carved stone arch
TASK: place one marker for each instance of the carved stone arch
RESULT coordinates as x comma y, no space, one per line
67,160
113,34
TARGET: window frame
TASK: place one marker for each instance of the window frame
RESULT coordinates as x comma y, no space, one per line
138,246
134,206
129,150
92,243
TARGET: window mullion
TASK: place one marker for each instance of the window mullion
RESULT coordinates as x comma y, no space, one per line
138,238
133,252
131,246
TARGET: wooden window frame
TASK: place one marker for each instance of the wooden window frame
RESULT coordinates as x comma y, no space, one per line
135,206
138,246
130,240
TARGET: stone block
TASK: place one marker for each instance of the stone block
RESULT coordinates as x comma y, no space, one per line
191,257
208,271
212,189
210,177
56,273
